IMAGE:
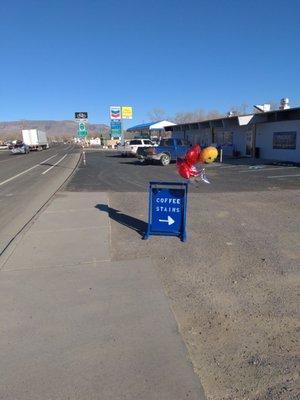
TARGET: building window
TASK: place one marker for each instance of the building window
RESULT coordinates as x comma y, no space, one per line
284,140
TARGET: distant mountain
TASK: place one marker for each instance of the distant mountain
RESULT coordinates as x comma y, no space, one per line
13,129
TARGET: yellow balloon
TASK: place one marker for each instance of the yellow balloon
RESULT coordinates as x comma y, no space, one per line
209,154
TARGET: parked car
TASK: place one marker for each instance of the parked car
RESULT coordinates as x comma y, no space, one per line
19,148
168,150
130,147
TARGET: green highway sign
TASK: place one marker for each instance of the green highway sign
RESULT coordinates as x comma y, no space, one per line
82,126
82,131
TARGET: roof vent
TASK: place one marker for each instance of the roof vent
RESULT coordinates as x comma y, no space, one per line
284,104
232,113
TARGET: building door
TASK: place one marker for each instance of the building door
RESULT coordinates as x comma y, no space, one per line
249,143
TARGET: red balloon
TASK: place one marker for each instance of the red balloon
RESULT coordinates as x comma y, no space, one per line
194,172
183,169
192,155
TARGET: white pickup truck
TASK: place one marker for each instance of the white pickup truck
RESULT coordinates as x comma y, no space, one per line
131,146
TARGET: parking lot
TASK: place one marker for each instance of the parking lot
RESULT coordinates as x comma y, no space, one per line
108,171
232,285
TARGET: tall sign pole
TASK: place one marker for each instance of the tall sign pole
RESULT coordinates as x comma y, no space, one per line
117,114
82,119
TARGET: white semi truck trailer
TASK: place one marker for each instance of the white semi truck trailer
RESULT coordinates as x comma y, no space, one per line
35,139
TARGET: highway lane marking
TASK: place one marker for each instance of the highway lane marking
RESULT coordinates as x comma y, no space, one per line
26,170
282,176
47,170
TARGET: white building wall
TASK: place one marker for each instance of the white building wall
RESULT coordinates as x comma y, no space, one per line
264,140
95,141
203,137
219,140
239,139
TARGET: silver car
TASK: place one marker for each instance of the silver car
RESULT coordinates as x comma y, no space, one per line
19,148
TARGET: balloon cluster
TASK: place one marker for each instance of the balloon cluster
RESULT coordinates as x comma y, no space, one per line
187,167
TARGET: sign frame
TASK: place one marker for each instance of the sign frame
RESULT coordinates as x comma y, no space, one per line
162,226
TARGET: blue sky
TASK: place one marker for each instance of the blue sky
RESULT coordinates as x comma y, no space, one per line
62,56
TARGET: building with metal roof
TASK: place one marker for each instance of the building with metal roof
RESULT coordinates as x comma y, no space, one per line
270,135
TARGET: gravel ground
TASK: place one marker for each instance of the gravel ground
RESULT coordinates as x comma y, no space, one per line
232,286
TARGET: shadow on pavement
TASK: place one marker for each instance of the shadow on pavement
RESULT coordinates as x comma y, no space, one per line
130,222
136,162
115,156
146,164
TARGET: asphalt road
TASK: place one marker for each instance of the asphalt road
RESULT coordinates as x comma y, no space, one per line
108,171
27,182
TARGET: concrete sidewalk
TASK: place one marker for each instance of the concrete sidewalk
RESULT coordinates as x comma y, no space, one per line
75,325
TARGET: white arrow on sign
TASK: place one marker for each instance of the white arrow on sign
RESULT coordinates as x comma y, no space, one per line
170,220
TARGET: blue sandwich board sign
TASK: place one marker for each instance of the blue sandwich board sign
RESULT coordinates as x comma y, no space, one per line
167,209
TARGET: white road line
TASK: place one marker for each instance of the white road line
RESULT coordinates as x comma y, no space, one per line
26,170
47,170
268,169
283,176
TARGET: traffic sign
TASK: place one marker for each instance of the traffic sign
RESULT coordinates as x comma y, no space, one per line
82,131
82,126
81,115
82,134
167,209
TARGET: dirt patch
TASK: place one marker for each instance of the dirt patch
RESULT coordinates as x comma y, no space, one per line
232,287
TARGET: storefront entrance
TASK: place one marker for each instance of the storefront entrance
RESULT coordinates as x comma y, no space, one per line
249,143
